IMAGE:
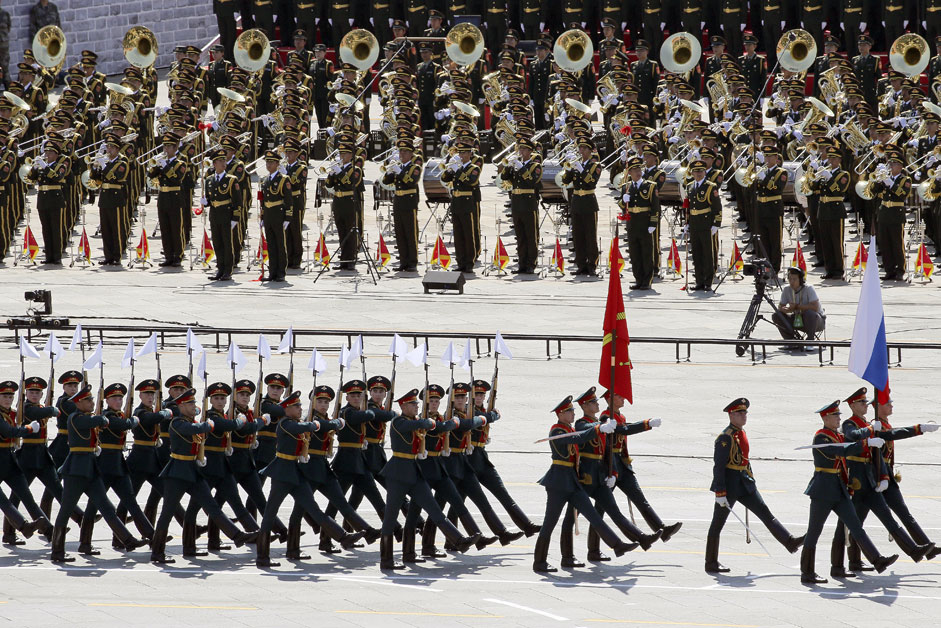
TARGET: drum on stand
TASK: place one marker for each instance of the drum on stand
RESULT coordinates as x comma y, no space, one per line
435,190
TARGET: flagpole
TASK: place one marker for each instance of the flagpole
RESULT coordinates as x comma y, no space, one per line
52,374
158,402
609,440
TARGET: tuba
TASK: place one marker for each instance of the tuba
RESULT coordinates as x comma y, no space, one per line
360,48
140,47
573,50
796,50
680,53
909,54
252,50
49,48
464,44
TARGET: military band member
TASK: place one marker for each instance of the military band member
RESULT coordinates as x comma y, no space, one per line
524,173
405,176
769,208
754,67
427,78
277,210
705,217
563,487
868,69
893,190
219,70
296,170
540,71
584,175
345,179
173,173
829,492
49,173
462,175
322,72
734,481
642,211
223,198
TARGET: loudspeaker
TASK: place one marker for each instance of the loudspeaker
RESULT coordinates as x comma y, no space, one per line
443,280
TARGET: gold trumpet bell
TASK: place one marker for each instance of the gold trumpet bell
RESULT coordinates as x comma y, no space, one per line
909,54
359,48
49,46
464,44
18,102
252,50
573,50
796,50
140,47
680,52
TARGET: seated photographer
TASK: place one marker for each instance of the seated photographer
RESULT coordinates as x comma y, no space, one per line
799,308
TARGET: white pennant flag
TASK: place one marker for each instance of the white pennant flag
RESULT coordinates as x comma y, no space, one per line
128,354
53,348
500,347
235,357
76,338
287,341
26,350
418,356
398,348
344,356
464,362
193,347
317,364
447,357
356,350
201,369
149,347
95,360
264,349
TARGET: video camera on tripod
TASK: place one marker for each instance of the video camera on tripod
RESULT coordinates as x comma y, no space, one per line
761,269
763,272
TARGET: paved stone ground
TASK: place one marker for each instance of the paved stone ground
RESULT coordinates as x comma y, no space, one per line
663,587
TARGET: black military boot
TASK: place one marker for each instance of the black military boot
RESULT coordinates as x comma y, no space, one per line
214,541
408,547
428,549
84,537
189,541
262,551
386,561
9,534
567,547
58,554
44,527
667,532
855,558
907,545
293,549
712,556
919,536
506,537
158,547
595,554
541,555
837,570
808,575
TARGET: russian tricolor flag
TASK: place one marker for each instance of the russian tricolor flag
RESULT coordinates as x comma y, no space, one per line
869,357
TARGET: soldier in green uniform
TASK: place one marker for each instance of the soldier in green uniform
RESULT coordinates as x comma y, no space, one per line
218,74
754,66
404,478
584,175
81,476
49,173
427,78
540,70
563,487
236,167
462,176
829,492
277,207
769,207
347,207
405,176
524,173
59,447
705,218
734,481
893,190
223,197
641,210
322,73
173,173
293,436
181,476
296,170
646,73
275,384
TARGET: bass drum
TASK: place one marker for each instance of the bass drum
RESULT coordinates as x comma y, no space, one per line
792,194
435,190
673,190
551,192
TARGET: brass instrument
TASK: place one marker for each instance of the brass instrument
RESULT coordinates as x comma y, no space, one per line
466,109
680,52
464,44
49,47
492,89
796,50
936,87
606,88
718,92
929,190
252,50
140,47
818,112
829,86
360,48
864,187
573,50
18,102
909,54
25,170
853,136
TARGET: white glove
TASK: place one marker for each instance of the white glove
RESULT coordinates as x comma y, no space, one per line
912,143
875,441
882,486
517,164
316,425
204,201
862,26
101,161
232,224
331,131
610,481
726,126
104,123
284,225
626,198
282,171
162,162
106,420
446,138
559,137
396,169
608,427
713,230
610,99
654,422
779,131
336,169
34,427
211,424
887,182
798,135
729,115
764,174
651,230
674,139
390,22
542,26
891,101
266,418
342,422
134,421
825,175
929,427
332,108
663,25
166,413
351,21
39,162
877,426
578,166
20,153
453,166
723,501
684,230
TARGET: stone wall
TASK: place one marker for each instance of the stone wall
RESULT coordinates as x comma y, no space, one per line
100,25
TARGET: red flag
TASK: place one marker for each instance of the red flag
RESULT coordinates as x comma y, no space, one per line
143,247
382,253
500,257
558,259
262,254
674,261
320,253
615,258
798,260
924,263
736,264
30,246
84,246
862,256
614,353
440,256
208,251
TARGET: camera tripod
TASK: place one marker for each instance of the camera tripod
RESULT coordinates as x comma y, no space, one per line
753,315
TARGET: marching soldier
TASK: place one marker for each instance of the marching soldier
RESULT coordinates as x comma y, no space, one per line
828,492
406,176
641,206
705,217
223,198
173,173
345,179
583,206
462,175
893,190
524,173
769,210
734,481
277,210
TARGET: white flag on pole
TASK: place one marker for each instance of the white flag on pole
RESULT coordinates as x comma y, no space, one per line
128,354
287,341
500,347
448,358
236,359
95,360
317,364
356,350
464,362
149,347
418,356
76,338
264,349
53,348
26,350
398,348
344,356
193,347
201,370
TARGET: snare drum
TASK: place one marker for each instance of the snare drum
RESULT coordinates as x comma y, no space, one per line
435,190
551,192
672,190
